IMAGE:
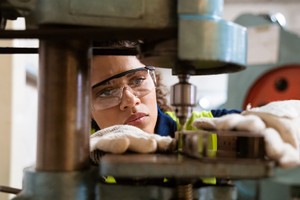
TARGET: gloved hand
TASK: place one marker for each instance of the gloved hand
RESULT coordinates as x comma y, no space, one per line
278,122
120,138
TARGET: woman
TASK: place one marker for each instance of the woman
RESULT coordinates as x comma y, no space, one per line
125,94
147,111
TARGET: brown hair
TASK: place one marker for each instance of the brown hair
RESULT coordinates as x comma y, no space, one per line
161,94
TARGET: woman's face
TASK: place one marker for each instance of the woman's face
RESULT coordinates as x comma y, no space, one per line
132,110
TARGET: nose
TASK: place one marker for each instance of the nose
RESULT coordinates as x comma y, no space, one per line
129,100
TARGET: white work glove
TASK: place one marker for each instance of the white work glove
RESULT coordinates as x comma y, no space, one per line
278,122
120,138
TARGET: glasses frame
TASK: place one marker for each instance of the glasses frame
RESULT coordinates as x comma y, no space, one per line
150,68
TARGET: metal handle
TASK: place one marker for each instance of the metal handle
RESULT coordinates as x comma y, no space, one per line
9,190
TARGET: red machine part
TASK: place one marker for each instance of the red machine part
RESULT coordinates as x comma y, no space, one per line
281,83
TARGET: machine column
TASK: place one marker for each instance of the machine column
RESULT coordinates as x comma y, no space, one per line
63,111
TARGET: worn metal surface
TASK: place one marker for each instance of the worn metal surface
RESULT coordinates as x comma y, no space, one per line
145,192
179,166
222,144
207,41
76,185
183,98
105,13
155,192
63,106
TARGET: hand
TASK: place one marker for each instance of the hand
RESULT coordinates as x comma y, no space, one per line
278,122
120,138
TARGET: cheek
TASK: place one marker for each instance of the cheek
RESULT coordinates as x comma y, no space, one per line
107,117
113,116
150,103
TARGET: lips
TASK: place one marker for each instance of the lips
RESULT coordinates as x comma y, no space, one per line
135,117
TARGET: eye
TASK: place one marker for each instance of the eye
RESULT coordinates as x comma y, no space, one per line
106,92
137,81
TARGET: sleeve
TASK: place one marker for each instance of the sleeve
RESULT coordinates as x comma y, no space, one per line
196,115
221,112
210,114
94,127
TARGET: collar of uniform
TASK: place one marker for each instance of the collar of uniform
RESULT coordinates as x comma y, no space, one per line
165,125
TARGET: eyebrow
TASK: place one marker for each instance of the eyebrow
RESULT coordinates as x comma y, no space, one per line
117,76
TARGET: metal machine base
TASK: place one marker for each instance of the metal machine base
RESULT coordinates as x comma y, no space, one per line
132,192
79,185
183,170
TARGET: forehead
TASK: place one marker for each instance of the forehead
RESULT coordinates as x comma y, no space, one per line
104,67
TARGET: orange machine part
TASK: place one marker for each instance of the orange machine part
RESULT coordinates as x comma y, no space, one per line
281,83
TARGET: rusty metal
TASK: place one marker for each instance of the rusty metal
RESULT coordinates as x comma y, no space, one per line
63,110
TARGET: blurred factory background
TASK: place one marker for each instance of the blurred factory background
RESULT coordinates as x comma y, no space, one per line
18,84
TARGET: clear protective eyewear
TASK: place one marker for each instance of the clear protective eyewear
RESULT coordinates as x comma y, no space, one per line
108,93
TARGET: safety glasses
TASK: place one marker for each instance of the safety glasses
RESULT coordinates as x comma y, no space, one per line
108,93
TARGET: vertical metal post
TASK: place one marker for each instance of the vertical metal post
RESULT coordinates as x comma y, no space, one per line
63,111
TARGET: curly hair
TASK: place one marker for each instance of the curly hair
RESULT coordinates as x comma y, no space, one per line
161,94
